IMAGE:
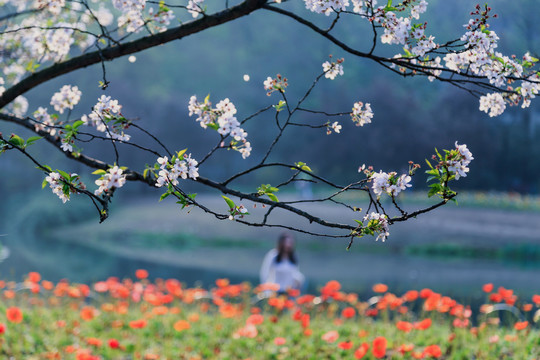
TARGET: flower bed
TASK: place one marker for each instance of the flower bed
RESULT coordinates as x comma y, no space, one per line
140,319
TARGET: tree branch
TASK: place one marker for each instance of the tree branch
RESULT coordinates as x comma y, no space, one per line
134,46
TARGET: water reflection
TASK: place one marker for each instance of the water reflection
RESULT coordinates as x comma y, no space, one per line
459,278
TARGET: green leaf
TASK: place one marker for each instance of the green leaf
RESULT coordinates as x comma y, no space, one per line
272,197
16,140
181,153
64,174
77,123
229,202
163,196
33,139
145,173
44,183
303,166
99,172
207,98
280,105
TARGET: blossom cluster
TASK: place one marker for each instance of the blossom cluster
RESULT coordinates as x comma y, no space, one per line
113,178
477,54
332,69
57,186
180,167
161,18
529,89
492,104
47,35
326,7
238,212
53,6
66,98
67,144
459,161
62,186
361,116
194,7
378,223
51,34
390,183
107,118
19,106
222,119
44,121
400,30
278,83
132,14
334,126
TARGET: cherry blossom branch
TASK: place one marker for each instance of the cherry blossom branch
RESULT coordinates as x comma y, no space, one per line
113,52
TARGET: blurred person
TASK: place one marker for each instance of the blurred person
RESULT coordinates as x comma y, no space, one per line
280,266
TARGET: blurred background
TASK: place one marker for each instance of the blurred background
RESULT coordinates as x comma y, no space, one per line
493,235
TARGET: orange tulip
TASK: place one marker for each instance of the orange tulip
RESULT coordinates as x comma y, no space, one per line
405,348
487,288
47,285
345,345
404,326
141,274
9,294
361,351
380,288
114,344
433,351
410,295
379,347
423,325
305,321
14,315
520,325
193,317
348,312
160,310
34,277
181,325
255,319
330,336
425,293
88,313
94,342
137,324
222,283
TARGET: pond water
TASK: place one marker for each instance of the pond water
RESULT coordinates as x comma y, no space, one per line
459,278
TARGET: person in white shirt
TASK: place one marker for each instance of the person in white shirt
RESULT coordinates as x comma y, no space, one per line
280,265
